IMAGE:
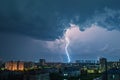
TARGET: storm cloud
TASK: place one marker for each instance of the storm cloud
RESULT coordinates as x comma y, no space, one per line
47,19
33,29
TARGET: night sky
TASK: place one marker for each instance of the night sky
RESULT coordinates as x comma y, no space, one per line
34,29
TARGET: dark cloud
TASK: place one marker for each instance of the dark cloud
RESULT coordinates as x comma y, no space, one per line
108,19
24,21
47,19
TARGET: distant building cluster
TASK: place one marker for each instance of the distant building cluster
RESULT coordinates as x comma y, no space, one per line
43,69
90,66
14,65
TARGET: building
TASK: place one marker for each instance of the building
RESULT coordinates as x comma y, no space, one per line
29,65
71,71
88,66
103,64
112,74
20,65
1,63
42,62
14,65
113,64
85,61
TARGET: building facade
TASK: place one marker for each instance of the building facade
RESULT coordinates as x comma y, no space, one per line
14,65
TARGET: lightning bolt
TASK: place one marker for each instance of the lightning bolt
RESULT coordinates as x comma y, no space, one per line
66,49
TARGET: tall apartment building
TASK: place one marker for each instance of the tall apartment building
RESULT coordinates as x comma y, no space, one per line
14,65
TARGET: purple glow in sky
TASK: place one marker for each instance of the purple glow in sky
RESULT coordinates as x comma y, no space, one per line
92,43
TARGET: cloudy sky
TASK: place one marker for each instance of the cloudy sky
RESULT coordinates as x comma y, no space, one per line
34,29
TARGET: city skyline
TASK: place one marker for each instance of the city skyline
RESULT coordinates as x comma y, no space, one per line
60,31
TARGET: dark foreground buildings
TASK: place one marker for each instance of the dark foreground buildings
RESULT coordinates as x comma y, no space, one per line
80,70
